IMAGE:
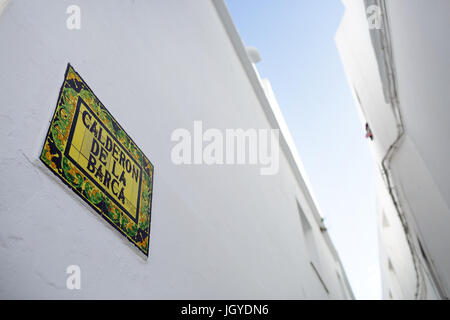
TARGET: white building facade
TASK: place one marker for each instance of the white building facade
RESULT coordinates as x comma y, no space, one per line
395,54
217,231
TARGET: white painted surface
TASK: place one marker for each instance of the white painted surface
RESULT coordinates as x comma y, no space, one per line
421,176
217,231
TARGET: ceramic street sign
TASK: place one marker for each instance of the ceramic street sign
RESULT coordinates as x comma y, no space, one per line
90,152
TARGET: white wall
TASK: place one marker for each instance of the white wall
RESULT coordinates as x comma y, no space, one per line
419,32
217,231
420,175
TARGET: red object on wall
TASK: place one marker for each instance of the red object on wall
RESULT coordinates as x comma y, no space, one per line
369,133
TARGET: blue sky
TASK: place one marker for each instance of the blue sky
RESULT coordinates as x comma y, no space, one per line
296,41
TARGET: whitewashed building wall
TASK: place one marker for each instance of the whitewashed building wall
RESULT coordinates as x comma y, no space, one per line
399,74
217,231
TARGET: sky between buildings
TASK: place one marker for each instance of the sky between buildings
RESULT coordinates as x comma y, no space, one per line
296,41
